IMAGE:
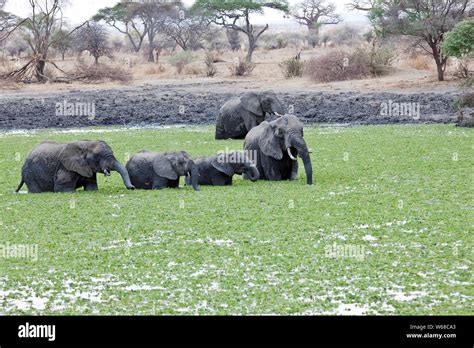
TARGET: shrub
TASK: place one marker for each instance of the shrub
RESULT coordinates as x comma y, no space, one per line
180,60
99,73
420,62
292,68
339,65
211,69
241,68
281,42
155,69
459,42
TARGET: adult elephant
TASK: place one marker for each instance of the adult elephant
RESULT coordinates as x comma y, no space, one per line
278,143
219,170
152,170
239,115
65,167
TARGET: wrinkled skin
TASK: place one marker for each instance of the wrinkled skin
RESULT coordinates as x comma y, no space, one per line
219,170
152,170
65,167
239,115
278,143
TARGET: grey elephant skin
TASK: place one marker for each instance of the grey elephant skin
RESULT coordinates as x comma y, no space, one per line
153,170
219,170
239,115
65,167
278,143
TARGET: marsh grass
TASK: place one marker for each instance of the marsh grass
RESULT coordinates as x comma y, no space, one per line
402,194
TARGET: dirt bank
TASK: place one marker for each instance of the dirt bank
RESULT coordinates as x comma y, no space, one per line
191,103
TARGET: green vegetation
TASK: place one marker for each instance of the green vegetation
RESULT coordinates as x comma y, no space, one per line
400,196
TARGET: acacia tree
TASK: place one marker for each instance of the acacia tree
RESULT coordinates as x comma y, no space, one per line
61,42
235,15
315,13
8,24
128,19
155,15
426,20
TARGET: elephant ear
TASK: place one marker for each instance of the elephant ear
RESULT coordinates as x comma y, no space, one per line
220,162
73,158
268,142
163,167
251,102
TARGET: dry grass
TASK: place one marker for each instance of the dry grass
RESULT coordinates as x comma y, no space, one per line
420,62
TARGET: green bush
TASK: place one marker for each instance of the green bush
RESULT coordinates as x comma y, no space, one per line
292,68
181,59
459,42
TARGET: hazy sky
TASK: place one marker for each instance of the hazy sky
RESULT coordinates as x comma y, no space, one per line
80,10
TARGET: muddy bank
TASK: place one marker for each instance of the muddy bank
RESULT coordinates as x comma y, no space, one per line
165,105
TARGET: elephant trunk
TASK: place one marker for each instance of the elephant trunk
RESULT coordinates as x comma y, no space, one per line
118,167
300,145
252,173
194,174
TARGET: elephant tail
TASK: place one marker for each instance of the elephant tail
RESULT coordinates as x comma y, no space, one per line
20,186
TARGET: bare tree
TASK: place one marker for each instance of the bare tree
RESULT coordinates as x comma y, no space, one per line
46,17
314,14
185,30
94,38
426,20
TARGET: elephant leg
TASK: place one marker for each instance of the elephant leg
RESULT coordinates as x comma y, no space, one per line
91,184
294,171
159,183
271,170
221,180
173,183
65,181
33,187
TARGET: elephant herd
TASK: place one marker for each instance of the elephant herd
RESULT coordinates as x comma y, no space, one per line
65,167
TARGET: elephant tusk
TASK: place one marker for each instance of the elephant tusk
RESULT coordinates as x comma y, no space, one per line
290,154
106,172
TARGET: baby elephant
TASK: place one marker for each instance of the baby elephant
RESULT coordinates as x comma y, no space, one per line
151,170
65,167
218,170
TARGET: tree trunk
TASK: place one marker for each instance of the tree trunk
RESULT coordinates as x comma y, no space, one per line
252,47
440,60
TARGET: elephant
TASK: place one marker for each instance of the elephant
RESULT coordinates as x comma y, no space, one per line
64,167
151,170
239,115
277,144
219,170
